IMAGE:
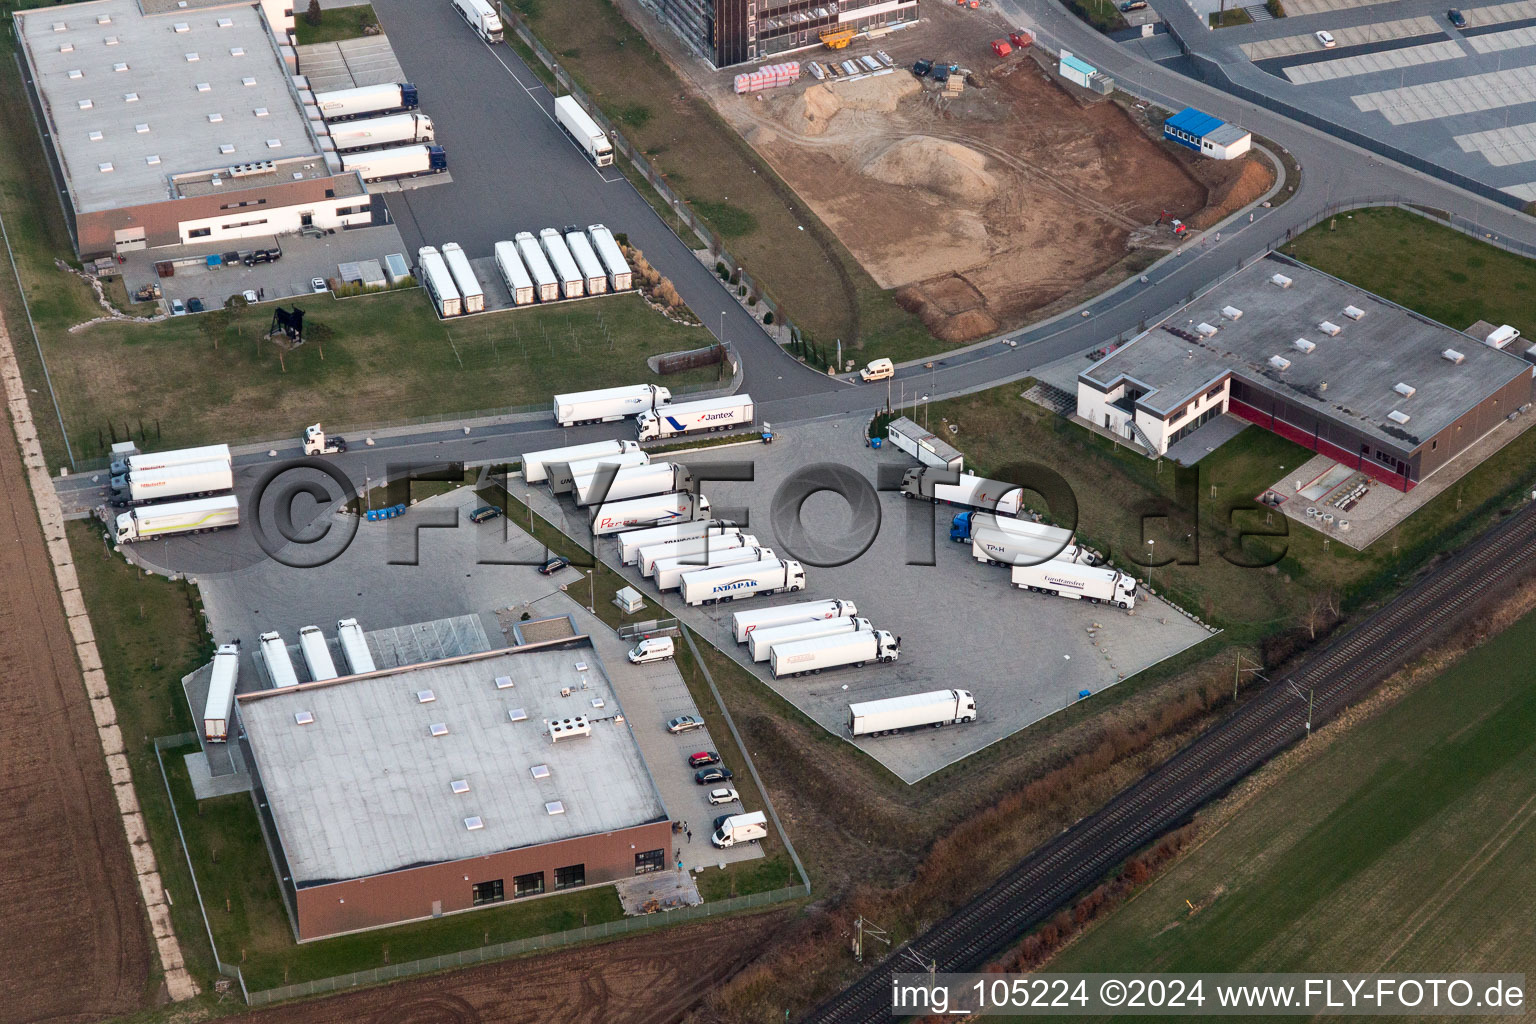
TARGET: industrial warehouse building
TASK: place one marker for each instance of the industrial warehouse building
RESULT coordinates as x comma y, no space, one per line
1316,360
179,122
410,793
727,32
1207,135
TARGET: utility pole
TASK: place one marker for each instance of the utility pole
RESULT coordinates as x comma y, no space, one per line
861,928
1237,670
1310,699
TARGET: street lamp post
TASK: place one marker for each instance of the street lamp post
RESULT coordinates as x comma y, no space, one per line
1151,558
591,594
528,504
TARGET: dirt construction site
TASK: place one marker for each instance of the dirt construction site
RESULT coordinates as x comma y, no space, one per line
984,206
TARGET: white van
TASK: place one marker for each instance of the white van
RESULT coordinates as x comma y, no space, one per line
880,369
740,828
657,648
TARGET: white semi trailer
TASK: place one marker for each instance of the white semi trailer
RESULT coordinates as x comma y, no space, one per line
219,708
762,641
354,647
583,131
1079,582
198,478
165,460
366,101
390,130
631,482
620,277
964,489
672,570
748,580
545,285
694,547
827,652
695,417
744,624
609,404
594,277
562,476
317,655
274,654
514,274
999,540
655,510
481,17
913,711
536,465
397,162
631,543
464,278
572,284
439,281
153,522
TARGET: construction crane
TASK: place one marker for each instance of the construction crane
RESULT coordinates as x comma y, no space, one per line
837,39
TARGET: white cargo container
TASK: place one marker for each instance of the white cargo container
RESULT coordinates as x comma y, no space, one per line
481,17
1067,579
693,547
631,482
562,476
514,274
964,489
536,465
740,828
155,521
389,130
274,655
914,711
366,101
572,284
464,278
185,481
354,647
762,641
595,278
924,446
631,543
399,162
583,131
696,417
219,708
671,571
317,654
655,510
439,281
609,404
546,285
165,460
999,540
827,652
744,624
748,580
619,275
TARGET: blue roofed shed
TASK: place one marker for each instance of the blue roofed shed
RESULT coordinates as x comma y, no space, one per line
1207,135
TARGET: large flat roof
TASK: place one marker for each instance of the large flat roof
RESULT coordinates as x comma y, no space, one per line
107,51
366,788
1349,377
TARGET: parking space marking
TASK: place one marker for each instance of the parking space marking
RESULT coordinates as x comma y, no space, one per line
1434,100
1495,42
1351,35
1502,147
1494,14
1366,63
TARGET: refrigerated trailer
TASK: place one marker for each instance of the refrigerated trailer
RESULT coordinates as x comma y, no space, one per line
631,482
966,489
165,460
748,580
999,540
695,417
186,481
744,624
152,522
1079,582
274,655
481,17
594,277
572,285
545,285
762,641
464,279
913,711
219,708
609,404
354,647
439,281
389,130
317,655
536,465
694,547
631,543
578,124
672,570
562,476
620,277
514,274
366,101
655,510
399,162
828,652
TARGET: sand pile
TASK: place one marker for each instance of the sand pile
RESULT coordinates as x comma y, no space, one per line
814,109
947,168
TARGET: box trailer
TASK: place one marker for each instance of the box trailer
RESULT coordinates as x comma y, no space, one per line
390,130
545,285
470,290
537,465
354,647
366,101
631,482
578,124
274,655
740,828
481,17
828,652
178,457
399,162
620,277
914,711
747,580
594,277
925,447
514,274
317,654
631,543
175,517
1098,584
572,284
655,510
219,708
762,641
562,476
185,481
965,489
999,540
693,547
438,280
609,404
671,571
696,417
745,623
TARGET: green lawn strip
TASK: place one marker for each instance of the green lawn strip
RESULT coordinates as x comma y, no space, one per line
336,24
1229,18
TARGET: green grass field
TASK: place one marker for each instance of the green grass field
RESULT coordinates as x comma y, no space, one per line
1405,846
335,24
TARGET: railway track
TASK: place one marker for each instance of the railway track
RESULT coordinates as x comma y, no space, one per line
1272,720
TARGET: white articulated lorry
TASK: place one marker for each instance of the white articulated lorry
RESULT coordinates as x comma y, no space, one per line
609,404
536,465
176,517
967,490
274,655
740,828
762,641
354,647
439,281
481,17
620,277
545,285
366,101
655,510
165,460
572,284
671,571
317,655
390,130
695,417
694,547
583,131
594,277
999,540
198,478
746,580
562,476
1079,582
632,542
745,623
630,482
220,705
828,652
398,162
464,278
514,274
914,711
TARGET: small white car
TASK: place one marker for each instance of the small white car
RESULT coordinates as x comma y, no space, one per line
249,296
178,308
1326,38
723,796
880,369
318,285
656,648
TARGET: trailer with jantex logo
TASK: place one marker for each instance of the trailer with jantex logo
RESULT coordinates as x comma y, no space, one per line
695,417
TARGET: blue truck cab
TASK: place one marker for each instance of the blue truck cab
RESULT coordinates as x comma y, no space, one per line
960,527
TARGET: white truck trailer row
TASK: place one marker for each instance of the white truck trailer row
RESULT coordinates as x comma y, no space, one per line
594,277
762,641
406,129
913,711
655,510
631,543
672,571
519,284
470,289
165,460
750,579
745,623
354,647
620,277
710,414
317,654
537,465
366,101
697,547
631,482
608,405
274,655
829,652
572,284
1098,584
562,476
219,708
153,522
396,162
546,286
583,131
137,487
439,281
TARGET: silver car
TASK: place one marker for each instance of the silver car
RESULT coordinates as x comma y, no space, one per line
683,723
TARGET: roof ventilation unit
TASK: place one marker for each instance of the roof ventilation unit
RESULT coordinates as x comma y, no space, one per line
1303,345
1397,417
181,27
1231,312
1280,362
459,786
540,771
425,696
1205,329
518,714
1501,336
254,167
555,807
438,728
1406,390
569,728
1452,355
1330,328
1354,312
504,682
304,717
1281,280
474,823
